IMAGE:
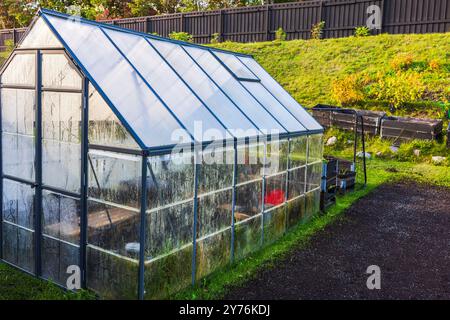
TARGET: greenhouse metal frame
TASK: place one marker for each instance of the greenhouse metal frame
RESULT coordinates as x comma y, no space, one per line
93,177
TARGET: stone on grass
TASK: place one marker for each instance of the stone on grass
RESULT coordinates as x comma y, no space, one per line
331,141
394,149
416,152
361,154
379,154
438,159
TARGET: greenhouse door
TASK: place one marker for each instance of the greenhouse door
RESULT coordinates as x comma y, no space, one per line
41,102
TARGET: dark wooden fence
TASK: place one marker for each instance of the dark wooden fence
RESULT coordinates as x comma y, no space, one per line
259,23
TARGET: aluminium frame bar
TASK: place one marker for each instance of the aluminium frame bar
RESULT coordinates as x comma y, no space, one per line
1,172
194,225
142,230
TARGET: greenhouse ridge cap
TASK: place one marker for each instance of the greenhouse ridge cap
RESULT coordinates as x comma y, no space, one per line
142,34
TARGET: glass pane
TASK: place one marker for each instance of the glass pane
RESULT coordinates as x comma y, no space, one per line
169,229
276,157
205,88
275,88
235,90
170,179
216,170
168,274
112,276
274,107
57,257
61,132
315,148
248,200
235,66
58,72
40,36
21,70
18,109
188,109
127,92
297,156
312,203
61,217
314,176
114,229
104,127
250,159
247,236
212,253
18,224
297,182
214,212
295,211
115,177
274,224
275,191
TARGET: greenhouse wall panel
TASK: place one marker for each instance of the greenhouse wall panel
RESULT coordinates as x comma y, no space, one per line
145,174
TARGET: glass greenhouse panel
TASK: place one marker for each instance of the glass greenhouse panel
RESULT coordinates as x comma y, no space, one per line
315,148
113,229
247,236
312,203
110,275
205,88
59,73
313,176
105,128
297,154
276,157
232,87
248,200
169,229
295,211
61,145
18,111
168,274
235,65
170,179
21,70
274,223
285,98
212,253
115,177
250,160
133,99
214,212
275,191
18,224
40,36
57,257
273,106
186,106
296,182
216,170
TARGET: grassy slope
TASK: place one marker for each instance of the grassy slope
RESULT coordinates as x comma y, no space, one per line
307,68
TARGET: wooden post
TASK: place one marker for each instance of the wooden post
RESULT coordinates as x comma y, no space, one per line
267,22
14,36
182,22
221,37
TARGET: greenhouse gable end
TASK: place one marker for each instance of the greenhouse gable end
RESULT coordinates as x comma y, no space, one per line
147,163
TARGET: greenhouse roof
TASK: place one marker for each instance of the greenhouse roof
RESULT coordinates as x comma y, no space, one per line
164,90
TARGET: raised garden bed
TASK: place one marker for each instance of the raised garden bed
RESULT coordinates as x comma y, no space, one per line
329,180
346,176
344,119
405,129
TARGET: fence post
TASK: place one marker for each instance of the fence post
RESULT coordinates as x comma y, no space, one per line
182,22
14,36
221,37
382,16
146,25
267,22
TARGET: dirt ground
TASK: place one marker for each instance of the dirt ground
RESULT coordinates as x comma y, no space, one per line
403,228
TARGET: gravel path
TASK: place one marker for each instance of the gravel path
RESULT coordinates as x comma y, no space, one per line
403,228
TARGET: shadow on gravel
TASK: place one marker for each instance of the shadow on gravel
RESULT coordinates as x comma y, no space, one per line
404,228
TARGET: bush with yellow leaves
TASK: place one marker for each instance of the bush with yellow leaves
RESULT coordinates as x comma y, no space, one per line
348,91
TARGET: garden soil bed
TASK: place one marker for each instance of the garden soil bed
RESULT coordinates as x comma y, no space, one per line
403,228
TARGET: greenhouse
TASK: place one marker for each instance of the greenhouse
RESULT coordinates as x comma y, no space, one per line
146,163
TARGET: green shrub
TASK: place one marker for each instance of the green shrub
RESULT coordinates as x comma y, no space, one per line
215,38
362,32
9,44
280,35
347,91
317,30
181,36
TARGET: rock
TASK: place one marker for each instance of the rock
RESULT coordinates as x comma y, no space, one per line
331,141
394,149
379,154
416,152
438,159
349,141
361,154
132,247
